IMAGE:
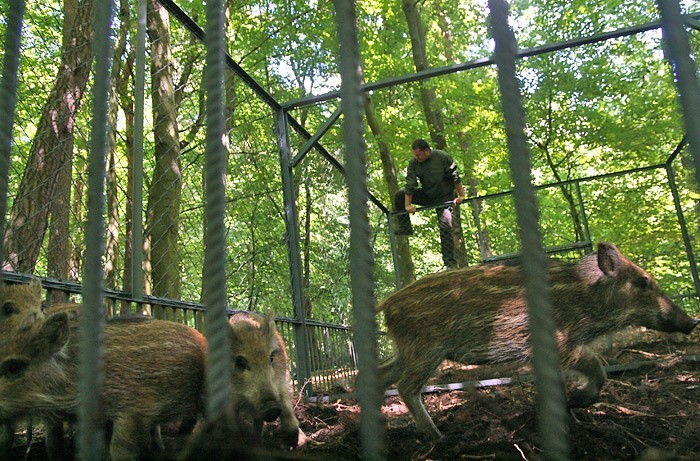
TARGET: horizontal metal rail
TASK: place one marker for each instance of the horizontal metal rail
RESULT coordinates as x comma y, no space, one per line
263,94
691,19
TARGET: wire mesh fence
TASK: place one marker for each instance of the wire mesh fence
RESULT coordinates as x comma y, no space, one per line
48,203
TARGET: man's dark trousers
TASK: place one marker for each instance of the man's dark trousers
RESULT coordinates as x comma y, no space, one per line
444,217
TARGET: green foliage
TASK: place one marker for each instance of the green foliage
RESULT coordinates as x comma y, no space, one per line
592,110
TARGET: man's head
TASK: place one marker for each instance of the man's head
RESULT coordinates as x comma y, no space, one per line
421,150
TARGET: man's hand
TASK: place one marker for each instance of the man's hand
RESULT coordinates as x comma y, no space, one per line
411,208
458,200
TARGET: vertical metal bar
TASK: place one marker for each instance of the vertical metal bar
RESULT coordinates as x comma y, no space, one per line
91,429
137,282
8,103
367,389
552,417
684,228
291,219
313,351
678,53
218,356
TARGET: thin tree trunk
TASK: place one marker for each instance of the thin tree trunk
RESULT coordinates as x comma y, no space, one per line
126,102
433,115
554,167
111,260
465,148
432,109
51,151
407,271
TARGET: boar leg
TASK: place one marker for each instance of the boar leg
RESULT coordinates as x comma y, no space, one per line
131,437
584,361
55,441
415,374
7,435
289,425
389,371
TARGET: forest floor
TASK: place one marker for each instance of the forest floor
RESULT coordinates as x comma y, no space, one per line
649,410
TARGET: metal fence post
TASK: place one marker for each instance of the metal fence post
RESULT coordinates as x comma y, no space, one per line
551,408
678,53
8,103
303,368
219,395
91,424
367,388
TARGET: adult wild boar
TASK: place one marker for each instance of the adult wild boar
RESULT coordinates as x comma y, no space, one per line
154,372
260,376
478,315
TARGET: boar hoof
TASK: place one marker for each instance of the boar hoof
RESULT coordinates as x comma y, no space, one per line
581,399
430,432
293,438
301,438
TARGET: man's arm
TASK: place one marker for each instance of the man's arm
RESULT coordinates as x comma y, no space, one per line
411,185
452,173
408,198
460,193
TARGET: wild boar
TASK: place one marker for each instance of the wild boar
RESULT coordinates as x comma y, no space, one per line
222,439
154,372
20,309
478,315
260,376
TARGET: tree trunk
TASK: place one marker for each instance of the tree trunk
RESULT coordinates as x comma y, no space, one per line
51,151
165,192
58,251
126,102
433,115
407,271
111,259
432,109
465,147
565,189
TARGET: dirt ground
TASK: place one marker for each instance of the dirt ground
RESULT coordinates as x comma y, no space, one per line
649,411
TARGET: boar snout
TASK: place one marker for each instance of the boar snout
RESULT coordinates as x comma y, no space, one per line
672,318
692,325
689,326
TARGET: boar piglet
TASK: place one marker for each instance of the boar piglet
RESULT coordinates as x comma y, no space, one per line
260,376
153,369
223,439
20,310
478,315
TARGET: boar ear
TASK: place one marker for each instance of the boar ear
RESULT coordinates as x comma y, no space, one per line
269,322
35,286
54,333
609,259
